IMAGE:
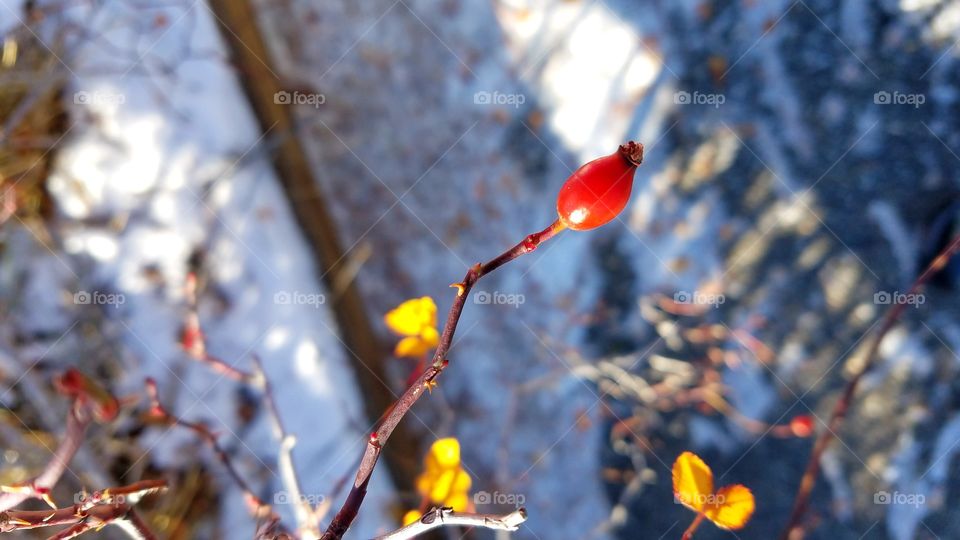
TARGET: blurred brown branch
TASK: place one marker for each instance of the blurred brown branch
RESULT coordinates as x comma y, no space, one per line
794,529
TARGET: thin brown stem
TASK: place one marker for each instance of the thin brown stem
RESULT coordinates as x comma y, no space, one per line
426,381
793,530
194,342
258,508
688,534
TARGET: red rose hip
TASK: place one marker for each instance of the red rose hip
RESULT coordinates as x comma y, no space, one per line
598,191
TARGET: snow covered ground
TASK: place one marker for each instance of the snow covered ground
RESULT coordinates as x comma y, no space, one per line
163,163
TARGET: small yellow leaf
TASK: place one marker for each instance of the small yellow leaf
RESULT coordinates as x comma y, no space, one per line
460,502
732,508
444,482
416,321
411,516
443,487
412,316
462,482
692,481
423,483
412,347
430,337
446,452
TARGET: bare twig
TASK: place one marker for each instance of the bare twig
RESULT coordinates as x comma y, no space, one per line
303,510
161,415
194,342
427,380
446,517
793,529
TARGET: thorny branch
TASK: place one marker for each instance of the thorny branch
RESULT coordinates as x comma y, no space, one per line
112,506
793,529
108,507
427,380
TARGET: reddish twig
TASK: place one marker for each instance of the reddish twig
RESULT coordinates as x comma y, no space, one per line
194,342
793,530
272,528
115,507
426,381
688,534
161,415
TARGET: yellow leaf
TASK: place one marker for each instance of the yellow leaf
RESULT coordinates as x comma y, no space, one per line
692,481
446,452
449,485
411,516
462,482
423,483
460,502
442,487
444,481
412,347
412,316
732,508
416,321
430,337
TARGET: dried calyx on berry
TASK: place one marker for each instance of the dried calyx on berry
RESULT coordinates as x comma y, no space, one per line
597,192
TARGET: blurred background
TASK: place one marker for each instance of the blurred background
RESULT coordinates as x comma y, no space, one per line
315,164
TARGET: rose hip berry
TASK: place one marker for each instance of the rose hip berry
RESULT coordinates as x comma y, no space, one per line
598,191
802,426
